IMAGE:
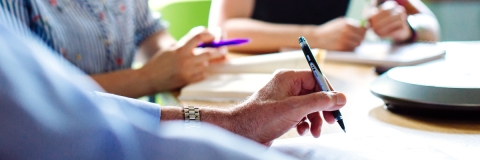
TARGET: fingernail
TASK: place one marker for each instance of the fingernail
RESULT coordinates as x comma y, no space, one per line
306,131
341,98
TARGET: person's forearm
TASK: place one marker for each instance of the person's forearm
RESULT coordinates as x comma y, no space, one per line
265,37
128,82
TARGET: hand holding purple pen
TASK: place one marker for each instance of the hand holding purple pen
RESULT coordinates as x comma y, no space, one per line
215,44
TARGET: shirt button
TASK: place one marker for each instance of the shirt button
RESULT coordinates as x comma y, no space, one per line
78,57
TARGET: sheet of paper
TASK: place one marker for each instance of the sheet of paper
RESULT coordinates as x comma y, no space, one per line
381,145
387,55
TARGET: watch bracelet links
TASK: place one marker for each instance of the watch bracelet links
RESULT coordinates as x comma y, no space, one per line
192,116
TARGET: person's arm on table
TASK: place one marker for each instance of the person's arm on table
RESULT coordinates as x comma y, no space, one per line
234,18
275,109
389,20
170,65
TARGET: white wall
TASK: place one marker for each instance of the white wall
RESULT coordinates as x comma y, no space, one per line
458,20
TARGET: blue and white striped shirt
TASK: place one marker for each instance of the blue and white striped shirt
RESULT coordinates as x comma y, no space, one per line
98,36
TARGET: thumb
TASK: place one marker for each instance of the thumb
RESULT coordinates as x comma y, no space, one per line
195,36
320,101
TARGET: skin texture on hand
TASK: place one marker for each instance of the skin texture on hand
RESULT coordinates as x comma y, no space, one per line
181,63
390,21
282,104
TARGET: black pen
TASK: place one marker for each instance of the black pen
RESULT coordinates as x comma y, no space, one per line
317,73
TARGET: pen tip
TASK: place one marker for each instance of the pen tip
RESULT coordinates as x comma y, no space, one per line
301,39
340,122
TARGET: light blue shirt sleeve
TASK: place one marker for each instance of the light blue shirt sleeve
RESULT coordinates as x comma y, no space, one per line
49,109
112,100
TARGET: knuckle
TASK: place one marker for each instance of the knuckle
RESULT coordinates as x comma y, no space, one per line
197,37
325,99
282,72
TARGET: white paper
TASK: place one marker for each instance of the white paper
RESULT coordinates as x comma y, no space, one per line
379,145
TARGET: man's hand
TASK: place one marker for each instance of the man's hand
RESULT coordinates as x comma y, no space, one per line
182,63
339,34
282,104
390,21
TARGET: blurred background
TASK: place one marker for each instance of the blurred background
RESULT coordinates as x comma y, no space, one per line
459,19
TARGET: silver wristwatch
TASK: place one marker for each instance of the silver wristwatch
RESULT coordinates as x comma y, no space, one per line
192,116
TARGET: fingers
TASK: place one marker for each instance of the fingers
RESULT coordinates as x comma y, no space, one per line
390,28
354,35
197,77
316,123
342,34
354,39
202,58
196,65
390,18
318,101
195,69
194,37
298,82
304,79
328,116
314,127
302,127
213,53
193,60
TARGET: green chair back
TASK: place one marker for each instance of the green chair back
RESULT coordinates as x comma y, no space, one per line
183,15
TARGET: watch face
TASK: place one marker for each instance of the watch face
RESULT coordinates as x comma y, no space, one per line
438,75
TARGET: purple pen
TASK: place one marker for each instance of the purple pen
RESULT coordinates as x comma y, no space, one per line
224,43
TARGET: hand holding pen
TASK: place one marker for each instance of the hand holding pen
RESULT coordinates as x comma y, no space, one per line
221,43
183,62
319,76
